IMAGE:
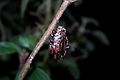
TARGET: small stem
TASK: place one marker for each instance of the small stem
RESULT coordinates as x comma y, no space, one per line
57,4
48,12
44,37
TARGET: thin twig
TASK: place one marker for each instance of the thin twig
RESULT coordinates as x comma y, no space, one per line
44,37
48,12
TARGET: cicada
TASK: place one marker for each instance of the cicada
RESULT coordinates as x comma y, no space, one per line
58,43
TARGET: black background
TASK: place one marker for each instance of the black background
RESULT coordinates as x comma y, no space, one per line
98,64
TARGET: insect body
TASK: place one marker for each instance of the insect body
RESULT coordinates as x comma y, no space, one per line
58,43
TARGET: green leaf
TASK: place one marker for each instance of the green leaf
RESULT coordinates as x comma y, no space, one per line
24,41
39,74
72,68
8,48
28,41
24,4
101,36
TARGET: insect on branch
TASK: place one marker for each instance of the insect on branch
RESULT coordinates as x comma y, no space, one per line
59,13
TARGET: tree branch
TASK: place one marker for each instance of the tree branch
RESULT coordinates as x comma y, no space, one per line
44,37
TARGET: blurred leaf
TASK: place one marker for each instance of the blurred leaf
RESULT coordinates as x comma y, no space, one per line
8,48
24,4
86,20
24,41
28,41
89,45
72,68
101,36
39,74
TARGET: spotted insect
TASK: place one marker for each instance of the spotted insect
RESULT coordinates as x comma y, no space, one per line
58,43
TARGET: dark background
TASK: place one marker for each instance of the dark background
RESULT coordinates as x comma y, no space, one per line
96,65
